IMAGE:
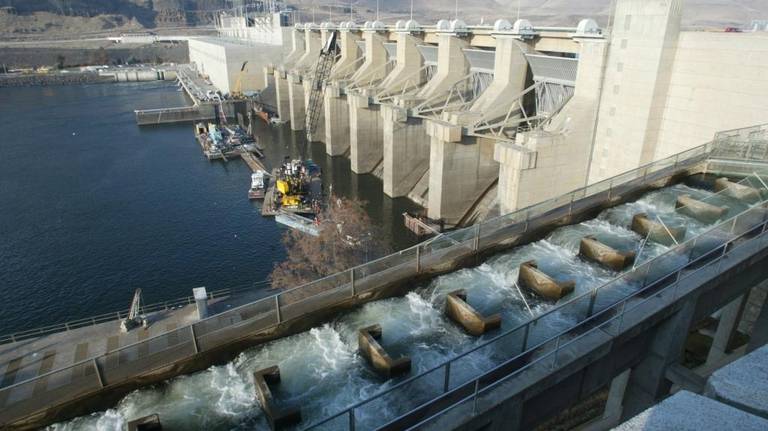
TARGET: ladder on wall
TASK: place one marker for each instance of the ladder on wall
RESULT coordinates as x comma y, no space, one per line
322,71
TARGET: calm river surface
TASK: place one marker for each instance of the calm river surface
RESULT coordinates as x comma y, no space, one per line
93,207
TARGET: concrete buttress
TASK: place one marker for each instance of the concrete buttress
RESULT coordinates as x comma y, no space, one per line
365,126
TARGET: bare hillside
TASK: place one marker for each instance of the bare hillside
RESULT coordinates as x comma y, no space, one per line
710,13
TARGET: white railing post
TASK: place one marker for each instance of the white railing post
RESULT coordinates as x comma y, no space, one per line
418,259
277,309
447,377
477,238
98,372
557,350
194,338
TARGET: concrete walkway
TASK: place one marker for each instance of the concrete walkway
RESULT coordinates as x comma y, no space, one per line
735,398
686,411
27,359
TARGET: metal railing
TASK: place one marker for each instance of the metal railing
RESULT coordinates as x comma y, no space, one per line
121,314
538,342
436,255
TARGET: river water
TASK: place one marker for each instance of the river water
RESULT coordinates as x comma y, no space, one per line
93,206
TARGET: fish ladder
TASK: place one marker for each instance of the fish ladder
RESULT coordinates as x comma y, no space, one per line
322,71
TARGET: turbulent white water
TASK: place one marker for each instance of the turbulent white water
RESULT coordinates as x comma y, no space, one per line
322,372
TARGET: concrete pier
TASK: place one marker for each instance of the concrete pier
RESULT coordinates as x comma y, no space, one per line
296,103
366,133
279,417
736,190
657,231
280,73
335,107
336,116
702,211
370,348
461,168
562,147
593,250
365,125
458,309
536,280
405,144
297,94
405,150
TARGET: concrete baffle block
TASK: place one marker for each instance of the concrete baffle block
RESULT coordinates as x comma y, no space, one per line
593,250
146,423
368,343
701,211
278,417
656,231
737,191
201,301
532,278
742,383
458,310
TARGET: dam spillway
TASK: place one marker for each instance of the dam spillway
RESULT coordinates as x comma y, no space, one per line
323,373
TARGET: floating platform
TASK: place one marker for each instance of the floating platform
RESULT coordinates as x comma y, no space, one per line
699,210
300,223
254,163
535,280
592,250
368,342
656,231
458,310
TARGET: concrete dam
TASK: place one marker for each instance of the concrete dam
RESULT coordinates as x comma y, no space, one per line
471,121
599,223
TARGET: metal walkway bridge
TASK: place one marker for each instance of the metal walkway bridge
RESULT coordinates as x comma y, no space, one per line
40,386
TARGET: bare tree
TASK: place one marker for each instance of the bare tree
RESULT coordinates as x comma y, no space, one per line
347,238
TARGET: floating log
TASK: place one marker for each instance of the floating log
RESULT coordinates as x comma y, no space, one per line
534,279
278,417
457,308
368,343
656,231
737,191
146,423
595,251
701,211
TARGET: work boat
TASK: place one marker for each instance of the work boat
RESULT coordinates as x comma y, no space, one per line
258,185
